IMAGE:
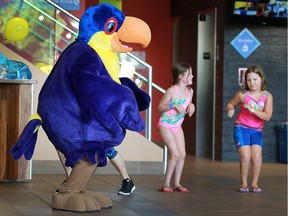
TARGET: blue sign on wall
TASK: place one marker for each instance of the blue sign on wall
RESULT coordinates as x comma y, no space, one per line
245,43
68,4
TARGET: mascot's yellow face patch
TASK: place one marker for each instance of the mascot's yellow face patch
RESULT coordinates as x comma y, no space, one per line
101,43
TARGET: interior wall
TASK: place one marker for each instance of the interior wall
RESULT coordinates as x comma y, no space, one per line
159,52
78,13
186,12
205,88
271,55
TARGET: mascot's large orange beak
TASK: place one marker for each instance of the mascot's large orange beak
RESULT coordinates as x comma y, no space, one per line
133,30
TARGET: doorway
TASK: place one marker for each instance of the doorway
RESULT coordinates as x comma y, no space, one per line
206,70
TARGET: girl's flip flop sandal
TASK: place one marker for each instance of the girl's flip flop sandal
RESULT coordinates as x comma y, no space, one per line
181,189
166,190
256,189
243,189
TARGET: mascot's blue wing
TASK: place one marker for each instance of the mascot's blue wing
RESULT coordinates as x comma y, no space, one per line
142,98
111,104
25,145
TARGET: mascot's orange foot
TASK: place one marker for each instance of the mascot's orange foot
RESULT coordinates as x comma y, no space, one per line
104,201
79,202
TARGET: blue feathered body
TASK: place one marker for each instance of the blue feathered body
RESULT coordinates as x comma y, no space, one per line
84,112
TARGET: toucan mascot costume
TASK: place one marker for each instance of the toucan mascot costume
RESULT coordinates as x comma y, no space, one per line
84,108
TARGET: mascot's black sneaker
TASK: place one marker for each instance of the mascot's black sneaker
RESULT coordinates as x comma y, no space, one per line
127,187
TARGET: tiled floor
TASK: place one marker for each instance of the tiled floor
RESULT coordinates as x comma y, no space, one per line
213,191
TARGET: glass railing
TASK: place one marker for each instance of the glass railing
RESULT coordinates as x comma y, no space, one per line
51,30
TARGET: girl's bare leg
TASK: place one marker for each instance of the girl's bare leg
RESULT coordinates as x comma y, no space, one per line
120,166
245,158
256,155
173,155
180,141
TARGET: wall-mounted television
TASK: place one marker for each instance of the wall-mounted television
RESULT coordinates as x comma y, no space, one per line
263,12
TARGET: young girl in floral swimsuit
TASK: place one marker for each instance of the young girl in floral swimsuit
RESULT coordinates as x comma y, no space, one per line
174,105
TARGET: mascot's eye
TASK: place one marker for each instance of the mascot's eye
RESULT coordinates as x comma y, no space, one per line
111,26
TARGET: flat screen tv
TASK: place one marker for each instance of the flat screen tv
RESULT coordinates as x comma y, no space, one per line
263,12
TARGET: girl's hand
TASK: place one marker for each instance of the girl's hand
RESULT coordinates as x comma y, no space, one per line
180,109
190,109
231,113
249,107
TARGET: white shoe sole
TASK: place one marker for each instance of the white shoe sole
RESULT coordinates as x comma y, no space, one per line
122,193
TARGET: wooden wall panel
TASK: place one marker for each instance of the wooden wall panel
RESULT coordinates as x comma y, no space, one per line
3,137
9,129
15,110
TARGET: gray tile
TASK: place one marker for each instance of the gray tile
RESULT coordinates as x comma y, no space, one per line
213,191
